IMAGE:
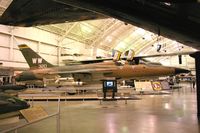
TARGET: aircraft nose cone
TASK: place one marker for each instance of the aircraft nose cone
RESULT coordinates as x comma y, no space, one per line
25,105
180,70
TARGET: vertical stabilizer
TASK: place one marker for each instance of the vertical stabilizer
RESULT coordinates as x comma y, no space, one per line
32,58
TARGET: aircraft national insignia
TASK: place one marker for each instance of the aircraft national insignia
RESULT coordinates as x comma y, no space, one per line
156,86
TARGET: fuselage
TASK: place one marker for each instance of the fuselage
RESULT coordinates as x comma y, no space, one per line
134,71
103,70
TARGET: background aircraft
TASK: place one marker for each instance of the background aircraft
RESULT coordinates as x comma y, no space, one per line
10,105
12,88
41,69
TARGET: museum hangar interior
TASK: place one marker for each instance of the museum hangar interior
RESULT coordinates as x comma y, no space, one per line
99,74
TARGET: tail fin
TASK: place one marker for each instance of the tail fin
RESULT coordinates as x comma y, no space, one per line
32,58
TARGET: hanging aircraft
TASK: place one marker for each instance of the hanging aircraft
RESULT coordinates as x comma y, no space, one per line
92,72
177,20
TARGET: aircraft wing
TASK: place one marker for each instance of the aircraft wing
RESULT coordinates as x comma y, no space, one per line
72,62
102,70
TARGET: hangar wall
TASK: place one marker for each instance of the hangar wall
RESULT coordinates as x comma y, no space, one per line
48,45
37,39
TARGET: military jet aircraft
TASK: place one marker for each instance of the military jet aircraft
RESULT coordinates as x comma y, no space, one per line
10,105
103,69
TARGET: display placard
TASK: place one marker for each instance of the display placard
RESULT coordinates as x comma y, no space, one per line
143,86
34,113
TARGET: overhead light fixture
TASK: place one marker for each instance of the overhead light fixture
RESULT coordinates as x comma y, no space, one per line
140,31
174,42
147,37
109,39
167,4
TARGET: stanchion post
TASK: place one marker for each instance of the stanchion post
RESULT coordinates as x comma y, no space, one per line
65,96
83,95
58,116
32,101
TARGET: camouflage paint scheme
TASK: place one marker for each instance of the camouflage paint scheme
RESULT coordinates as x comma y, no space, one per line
41,69
10,104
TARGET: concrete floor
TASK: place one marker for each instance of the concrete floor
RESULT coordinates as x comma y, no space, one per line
175,113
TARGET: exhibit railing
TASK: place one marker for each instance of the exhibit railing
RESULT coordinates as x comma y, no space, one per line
57,114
